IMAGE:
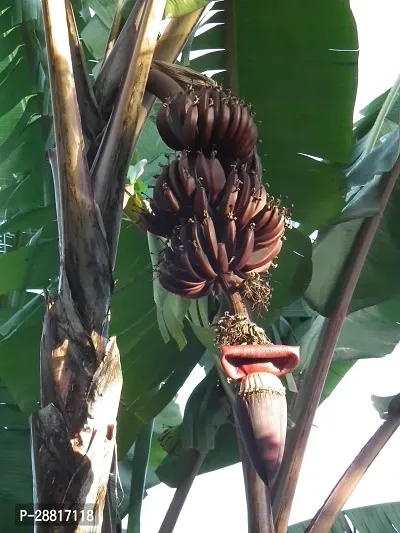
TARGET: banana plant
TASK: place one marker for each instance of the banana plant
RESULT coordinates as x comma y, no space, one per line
215,230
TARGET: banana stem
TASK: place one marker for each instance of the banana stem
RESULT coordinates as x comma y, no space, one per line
315,375
180,496
235,300
326,516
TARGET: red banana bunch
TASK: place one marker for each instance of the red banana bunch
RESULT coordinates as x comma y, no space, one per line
211,120
217,222
222,229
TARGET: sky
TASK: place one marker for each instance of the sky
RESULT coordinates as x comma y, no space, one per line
347,419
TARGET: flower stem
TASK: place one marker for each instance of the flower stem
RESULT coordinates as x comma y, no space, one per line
180,496
235,300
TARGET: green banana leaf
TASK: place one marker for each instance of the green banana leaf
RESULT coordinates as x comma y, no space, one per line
383,518
15,462
299,72
378,281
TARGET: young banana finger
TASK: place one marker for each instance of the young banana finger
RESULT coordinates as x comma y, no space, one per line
248,141
244,194
260,263
248,147
262,198
202,170
200,204
270,240
263,217
242,129
204,104
276,221
236,111
223,120
187,181
158,189
248,212
174,181
171,199
173,275
210,235
190,131
254,168
189,267
164,127
185,238
217,178
228,201
208,126
230,236
215,96
171,285
200,256
178,108
245,250
267,234
223,262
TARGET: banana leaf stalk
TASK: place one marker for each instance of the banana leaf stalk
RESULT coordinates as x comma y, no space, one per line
180,495
311,388
326,516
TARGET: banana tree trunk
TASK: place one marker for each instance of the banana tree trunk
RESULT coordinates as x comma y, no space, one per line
74,431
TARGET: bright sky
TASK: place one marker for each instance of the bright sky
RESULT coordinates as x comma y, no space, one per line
347,419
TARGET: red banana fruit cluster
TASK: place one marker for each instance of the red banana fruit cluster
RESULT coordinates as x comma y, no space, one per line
223,229
218,222
211,120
